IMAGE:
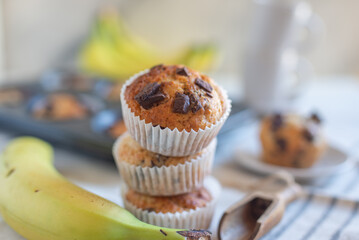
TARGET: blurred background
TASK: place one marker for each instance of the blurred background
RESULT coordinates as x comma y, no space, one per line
36,35
63,62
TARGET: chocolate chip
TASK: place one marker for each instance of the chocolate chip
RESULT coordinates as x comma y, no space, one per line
148,90
159,160
150,95
315,118
277,122
157,66
209,94
195,104
181,103
282,143
203,84
308,135
183,71
150,209
152,100
205,103
160,126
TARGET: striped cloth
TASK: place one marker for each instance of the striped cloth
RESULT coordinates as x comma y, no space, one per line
318,217
325,212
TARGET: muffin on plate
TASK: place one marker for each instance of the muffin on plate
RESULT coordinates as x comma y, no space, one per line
157,175
189,210
173,110
291,140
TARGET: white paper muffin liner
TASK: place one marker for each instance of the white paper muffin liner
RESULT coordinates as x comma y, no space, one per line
166,141
167,181
199,218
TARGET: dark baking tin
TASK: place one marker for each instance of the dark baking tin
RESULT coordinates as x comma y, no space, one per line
64,80
102,87
104,120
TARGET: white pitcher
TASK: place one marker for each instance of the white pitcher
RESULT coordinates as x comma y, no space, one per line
274,72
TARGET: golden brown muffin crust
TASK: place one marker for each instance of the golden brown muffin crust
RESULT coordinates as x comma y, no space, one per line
292,140
180,203
131,152
206,100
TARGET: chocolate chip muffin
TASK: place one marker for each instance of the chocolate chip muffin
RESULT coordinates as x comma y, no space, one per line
11,97
190,210
292,140
61,106
176,97
154,174
177,105
131,152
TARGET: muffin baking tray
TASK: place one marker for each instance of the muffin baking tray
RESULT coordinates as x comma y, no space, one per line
32,109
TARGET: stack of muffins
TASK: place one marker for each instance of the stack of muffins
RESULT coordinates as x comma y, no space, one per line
173,115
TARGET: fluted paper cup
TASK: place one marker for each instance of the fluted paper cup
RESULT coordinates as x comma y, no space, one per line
164,140
199,218
167,180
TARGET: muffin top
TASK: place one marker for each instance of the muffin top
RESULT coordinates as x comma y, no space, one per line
292,131
173,204
175,97
132,153
61,106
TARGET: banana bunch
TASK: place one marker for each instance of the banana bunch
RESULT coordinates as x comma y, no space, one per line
114,52
40,204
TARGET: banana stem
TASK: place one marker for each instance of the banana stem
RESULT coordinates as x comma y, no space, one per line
174,234
140,230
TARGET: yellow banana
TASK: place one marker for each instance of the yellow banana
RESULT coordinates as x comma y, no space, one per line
40,204
111,28
200,57
100,58
114,52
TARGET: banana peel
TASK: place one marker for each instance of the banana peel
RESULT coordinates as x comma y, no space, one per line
112,51
40,204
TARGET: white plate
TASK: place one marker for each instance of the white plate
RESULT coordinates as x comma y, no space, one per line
332,162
